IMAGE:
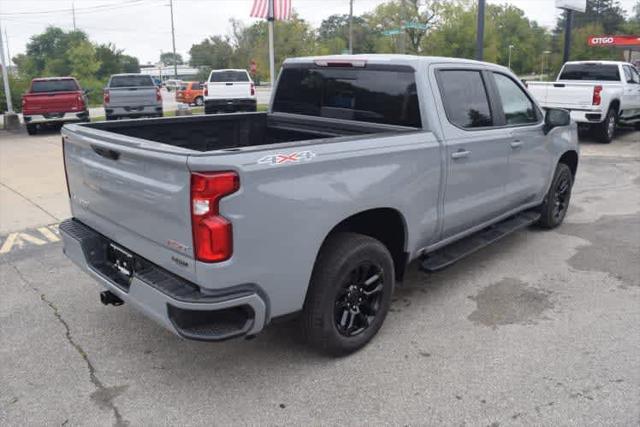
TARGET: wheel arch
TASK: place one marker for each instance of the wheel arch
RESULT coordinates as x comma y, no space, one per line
615,104
385,224
570,158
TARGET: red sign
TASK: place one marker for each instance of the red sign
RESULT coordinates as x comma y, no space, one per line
253,66
613,41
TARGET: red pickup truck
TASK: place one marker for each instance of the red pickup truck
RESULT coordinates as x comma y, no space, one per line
53,101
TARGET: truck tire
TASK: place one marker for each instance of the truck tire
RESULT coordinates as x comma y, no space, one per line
349,294
607,129
556,203
32,129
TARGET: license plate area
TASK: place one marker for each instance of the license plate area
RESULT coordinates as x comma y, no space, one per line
120,260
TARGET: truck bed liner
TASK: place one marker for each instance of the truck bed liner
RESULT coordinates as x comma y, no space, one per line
225,131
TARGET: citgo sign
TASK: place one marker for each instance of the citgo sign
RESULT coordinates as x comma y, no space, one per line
613,41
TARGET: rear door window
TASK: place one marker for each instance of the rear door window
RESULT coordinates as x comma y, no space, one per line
67,85
228,76
517,107
630,75
361,94
196,86
591,71
465,98
131,81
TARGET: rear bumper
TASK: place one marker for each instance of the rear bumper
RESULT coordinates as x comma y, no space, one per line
178,305
230,104
143,110
587,116
76,116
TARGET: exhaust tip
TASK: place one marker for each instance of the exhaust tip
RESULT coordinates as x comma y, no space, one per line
109,298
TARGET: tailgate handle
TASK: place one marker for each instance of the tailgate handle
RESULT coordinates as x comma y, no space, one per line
105,152
229,84
558,85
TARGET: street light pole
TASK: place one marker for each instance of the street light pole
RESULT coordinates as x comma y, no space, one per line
546,52
173,40
510,47
480,31
350,27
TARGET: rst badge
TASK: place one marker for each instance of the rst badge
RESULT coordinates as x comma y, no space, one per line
279,159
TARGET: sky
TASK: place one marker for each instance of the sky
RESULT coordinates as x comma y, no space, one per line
143,27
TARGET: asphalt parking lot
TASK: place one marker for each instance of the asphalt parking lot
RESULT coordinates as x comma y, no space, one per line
542,328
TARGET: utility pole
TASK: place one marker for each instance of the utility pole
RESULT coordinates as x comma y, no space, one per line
6,40
272,60
480,31
173,40
5,78
350,27
73,13
567,35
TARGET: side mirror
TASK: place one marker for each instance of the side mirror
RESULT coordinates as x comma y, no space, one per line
87,91
556,117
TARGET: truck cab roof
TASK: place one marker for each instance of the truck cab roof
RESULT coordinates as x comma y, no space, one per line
391,59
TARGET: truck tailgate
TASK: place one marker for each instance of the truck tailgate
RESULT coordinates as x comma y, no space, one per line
38,103
229,90
552,94
132,96
126,192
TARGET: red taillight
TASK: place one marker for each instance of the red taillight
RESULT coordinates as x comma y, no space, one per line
596,95
24,102
253,89
158,95
80,101
206,91
106,97
212,233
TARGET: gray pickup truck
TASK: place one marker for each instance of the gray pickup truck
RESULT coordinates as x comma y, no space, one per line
132,95
216,226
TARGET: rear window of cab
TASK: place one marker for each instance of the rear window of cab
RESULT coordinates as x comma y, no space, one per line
63,85
131,81
229,76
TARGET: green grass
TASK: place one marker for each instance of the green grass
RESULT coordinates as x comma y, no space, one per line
195,111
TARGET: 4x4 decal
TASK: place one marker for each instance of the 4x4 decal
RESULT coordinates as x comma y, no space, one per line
279,159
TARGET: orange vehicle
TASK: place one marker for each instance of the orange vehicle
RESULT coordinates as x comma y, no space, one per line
190,93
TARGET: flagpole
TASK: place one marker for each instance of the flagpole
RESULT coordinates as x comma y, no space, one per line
272,61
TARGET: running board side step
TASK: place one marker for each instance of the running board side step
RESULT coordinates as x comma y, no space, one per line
447,255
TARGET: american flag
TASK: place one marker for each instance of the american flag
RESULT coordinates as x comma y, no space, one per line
281,9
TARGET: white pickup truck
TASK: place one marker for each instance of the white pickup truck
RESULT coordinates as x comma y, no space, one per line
229,90
599,94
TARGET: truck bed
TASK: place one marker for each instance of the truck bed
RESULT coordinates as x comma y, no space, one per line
228,131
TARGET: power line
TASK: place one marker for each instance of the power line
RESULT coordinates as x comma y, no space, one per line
98,8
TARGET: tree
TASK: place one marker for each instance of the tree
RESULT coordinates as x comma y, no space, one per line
414,18
82,60
214,52
167,58
333,35
45,52
294,37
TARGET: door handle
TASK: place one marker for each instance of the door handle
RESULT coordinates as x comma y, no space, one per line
460,154
516,144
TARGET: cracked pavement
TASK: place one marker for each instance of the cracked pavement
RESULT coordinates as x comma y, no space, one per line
540,328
